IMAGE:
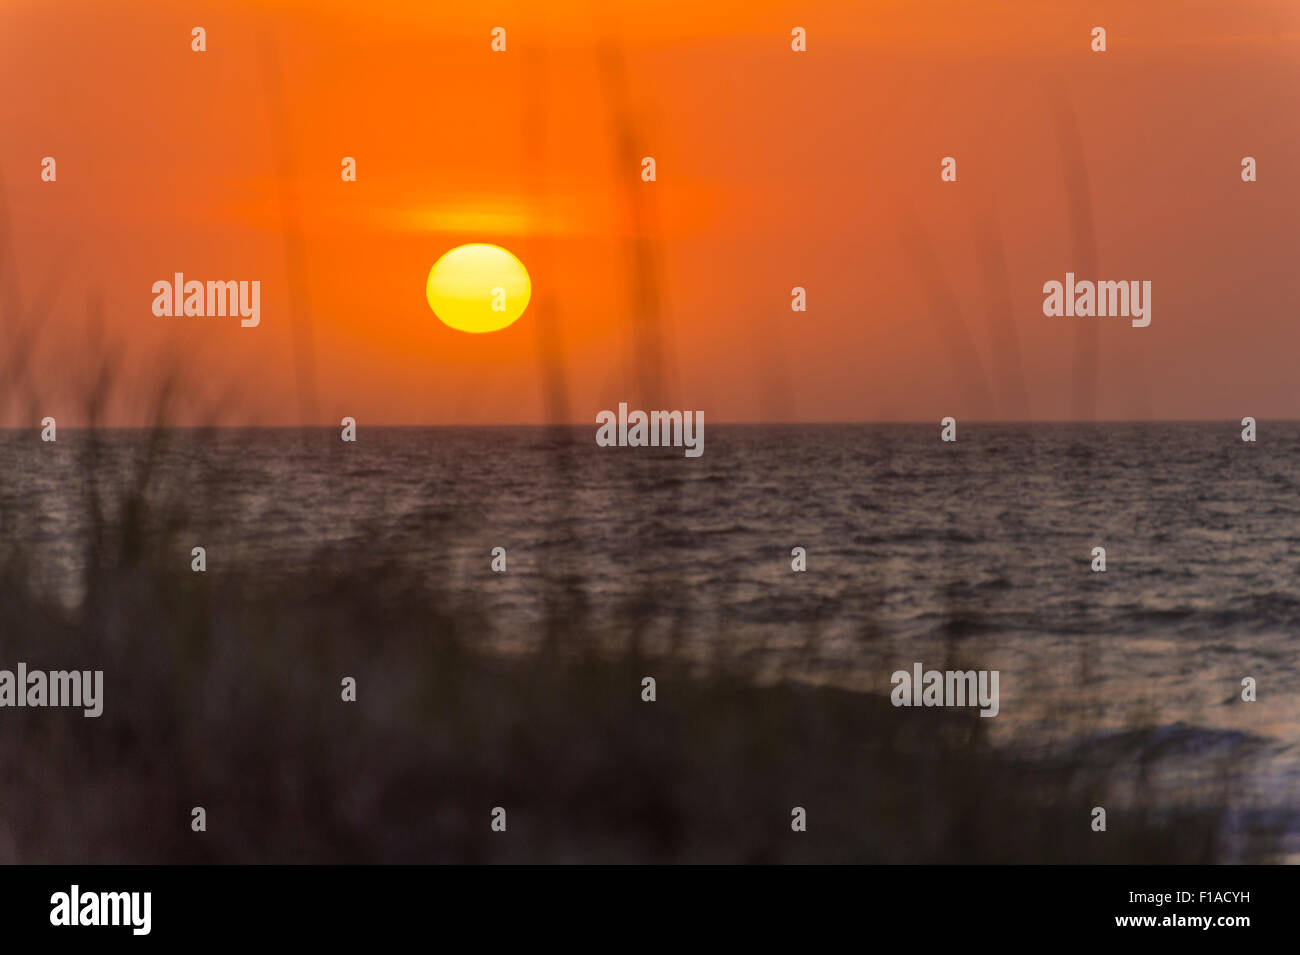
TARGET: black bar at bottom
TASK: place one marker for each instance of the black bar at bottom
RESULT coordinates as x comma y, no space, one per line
334,904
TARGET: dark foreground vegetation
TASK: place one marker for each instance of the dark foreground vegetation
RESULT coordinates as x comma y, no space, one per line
223,690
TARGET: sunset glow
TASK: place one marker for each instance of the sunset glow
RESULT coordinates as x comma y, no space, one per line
775,169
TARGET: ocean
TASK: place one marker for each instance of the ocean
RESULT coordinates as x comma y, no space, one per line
972,554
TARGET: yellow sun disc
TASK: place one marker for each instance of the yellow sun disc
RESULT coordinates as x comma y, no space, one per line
478,288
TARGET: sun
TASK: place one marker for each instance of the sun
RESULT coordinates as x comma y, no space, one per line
478,288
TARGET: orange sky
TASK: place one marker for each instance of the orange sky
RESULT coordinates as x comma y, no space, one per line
775,169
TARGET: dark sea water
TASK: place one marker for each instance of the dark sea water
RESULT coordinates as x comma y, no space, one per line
974,554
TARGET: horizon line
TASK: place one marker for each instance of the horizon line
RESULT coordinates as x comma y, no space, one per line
726,424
